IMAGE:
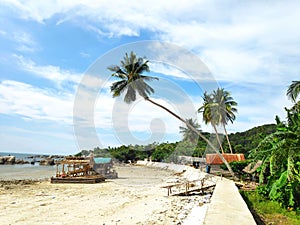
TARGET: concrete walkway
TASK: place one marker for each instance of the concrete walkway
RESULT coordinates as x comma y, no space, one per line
227,206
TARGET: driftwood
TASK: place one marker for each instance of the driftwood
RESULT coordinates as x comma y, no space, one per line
249,169
187,187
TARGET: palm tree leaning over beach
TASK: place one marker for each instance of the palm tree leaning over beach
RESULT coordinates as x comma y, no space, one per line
226,109
132,81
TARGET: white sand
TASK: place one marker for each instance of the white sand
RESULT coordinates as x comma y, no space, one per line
135,198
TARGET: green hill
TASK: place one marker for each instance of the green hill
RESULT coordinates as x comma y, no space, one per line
242,142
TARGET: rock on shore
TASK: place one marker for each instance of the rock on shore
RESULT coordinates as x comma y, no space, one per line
7,160
47,162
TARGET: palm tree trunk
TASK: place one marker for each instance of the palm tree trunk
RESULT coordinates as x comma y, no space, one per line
227,139
197,132
218,138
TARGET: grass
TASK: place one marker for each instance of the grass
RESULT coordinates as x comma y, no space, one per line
268,212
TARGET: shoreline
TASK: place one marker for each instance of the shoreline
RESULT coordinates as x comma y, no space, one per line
26,172
134,198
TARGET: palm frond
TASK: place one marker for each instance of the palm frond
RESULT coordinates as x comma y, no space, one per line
293,90
130,95
148,78
118,87
132,80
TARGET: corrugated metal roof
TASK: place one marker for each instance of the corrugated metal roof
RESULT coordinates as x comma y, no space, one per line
102,160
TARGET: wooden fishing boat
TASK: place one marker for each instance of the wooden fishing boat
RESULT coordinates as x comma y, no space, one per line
92,179
76,170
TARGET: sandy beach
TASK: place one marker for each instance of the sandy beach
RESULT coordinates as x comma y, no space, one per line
136,197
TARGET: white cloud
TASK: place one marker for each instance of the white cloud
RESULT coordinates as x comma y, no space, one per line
49,72
114,113
3,33
25,42
167,70
37,141
38,10
238,40
234,66
245,44
85,55
255,107
128,121
35,103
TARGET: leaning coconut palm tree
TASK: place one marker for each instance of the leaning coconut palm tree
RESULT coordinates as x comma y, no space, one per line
294,90
210,113
132,82
225,109
188,133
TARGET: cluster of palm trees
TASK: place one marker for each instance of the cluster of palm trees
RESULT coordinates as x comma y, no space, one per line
132,81
218,109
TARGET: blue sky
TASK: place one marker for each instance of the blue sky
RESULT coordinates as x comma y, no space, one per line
48,49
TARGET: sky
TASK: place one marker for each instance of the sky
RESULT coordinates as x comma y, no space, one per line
55,87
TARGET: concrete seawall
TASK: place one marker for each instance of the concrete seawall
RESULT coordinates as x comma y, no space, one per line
227,205
187,172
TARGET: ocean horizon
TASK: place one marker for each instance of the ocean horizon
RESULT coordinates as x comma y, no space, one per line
26,171
23,156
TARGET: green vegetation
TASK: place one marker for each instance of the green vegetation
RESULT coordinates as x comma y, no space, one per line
244,142
163,151
266,211
238,166
279,174
280,155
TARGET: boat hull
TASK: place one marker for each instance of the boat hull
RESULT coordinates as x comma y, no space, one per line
80,180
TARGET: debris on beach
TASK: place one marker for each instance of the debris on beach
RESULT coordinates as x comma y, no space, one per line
83,170
104,166
76,170
184,210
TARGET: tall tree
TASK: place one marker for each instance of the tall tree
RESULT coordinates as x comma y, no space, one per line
132,81
225,109
188,133
218,108
210,114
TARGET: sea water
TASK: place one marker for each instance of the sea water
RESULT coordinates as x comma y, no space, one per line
23,156
25,171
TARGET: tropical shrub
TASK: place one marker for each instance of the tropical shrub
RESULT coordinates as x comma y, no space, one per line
237,166
163,152
280,154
